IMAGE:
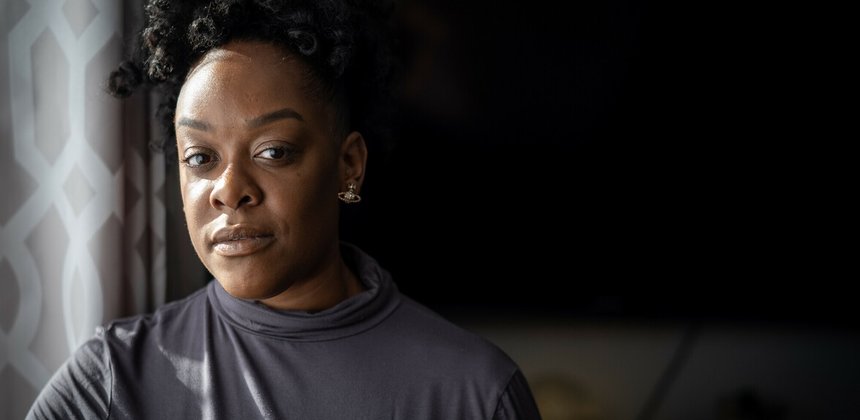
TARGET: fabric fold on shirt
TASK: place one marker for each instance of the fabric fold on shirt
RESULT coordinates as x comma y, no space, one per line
352,316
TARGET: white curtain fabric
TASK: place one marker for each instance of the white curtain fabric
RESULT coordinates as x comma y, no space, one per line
82,218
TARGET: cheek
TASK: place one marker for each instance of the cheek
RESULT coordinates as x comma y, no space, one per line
308,200
321,188
195,199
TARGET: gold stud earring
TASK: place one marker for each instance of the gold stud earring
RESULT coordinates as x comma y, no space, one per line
349,196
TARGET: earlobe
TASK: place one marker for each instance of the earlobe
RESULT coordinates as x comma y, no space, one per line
353,158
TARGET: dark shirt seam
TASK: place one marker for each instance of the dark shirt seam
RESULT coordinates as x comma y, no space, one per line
502,393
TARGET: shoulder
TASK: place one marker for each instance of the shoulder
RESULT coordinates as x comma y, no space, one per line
171,319
84,387
80,388
448,366
426,333
426,322
467,363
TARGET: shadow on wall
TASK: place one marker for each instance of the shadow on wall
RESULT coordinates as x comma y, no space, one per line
638,370
562,398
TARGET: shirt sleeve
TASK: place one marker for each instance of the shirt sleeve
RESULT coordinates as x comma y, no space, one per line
517,401
80,389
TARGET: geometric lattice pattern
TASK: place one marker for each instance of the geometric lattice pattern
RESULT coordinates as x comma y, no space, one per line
82,216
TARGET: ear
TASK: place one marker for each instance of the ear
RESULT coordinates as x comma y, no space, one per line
352,161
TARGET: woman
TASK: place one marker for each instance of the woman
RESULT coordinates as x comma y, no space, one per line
269,104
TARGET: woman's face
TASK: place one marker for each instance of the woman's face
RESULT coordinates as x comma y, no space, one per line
260,168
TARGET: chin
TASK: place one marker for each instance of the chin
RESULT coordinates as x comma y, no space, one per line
248,289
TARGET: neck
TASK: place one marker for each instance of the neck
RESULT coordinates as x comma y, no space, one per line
330,286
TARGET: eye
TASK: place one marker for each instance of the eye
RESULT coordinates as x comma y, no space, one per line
277,153
273,153
197,160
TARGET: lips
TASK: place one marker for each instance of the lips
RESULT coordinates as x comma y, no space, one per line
237,241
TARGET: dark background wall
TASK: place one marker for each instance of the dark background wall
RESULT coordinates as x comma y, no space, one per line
612,158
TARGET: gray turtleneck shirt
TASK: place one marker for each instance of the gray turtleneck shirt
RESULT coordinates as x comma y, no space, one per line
376,355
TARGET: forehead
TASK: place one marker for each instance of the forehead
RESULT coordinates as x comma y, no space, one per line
244,53
245,76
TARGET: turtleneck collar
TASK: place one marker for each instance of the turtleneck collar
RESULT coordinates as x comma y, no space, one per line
349,317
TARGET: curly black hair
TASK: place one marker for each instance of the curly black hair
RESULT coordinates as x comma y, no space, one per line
346,45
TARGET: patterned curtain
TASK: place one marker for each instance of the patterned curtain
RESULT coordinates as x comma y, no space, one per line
82,214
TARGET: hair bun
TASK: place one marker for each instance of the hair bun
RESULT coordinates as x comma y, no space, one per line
304,41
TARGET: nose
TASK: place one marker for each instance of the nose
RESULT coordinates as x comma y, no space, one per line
234,189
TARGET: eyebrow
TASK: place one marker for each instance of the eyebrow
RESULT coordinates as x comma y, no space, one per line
274,116
253,123
197,125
